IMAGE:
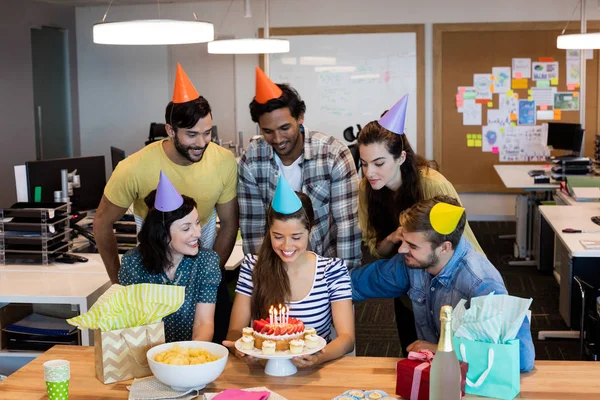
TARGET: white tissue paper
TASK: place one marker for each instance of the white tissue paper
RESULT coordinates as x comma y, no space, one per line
491,318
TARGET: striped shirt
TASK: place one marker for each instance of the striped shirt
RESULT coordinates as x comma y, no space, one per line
328,178
331,284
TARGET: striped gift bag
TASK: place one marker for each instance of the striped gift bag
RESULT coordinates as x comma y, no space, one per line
121,354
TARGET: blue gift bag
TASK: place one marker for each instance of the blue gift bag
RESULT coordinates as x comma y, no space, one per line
494,369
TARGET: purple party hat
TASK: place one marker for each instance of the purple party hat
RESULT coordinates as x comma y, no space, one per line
167,197
394,119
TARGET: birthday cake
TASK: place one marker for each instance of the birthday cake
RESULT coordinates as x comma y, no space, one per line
281,332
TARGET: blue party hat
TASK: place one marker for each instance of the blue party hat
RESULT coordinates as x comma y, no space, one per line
285,201
394,119
167,197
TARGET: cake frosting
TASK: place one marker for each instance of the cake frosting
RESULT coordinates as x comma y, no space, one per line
280,333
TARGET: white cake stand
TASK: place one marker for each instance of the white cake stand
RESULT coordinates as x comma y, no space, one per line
280,363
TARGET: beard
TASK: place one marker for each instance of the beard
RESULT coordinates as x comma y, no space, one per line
431,261
185,151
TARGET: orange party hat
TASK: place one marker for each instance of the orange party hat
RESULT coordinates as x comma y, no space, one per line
183,91
265,88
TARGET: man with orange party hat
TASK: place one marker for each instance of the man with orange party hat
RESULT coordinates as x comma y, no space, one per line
435,266
197,168
312,162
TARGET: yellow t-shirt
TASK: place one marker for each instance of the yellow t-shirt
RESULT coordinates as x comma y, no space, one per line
432,184
211,181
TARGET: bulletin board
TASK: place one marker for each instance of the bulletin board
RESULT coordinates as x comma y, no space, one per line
349,75
462,50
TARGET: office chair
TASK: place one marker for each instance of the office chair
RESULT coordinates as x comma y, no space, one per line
157,131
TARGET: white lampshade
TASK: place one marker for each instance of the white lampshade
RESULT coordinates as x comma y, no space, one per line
153,32
581,41
249,46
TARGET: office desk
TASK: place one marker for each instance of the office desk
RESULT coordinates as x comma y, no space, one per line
517,177
575,259
548,380
73,284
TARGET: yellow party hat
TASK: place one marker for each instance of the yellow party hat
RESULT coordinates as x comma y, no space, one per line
444,217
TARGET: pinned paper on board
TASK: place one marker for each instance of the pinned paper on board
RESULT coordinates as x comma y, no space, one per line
554,81
490,104
573,68
547,115
544,107
473,139
544,83
519,83
498,117
557,115
491,137
483,83
566,101
513,117
521,68
571,86
526,112
471,113
544,71
501,77
508,103
543,95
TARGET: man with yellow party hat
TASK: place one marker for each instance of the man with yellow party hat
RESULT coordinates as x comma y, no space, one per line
313,163
435,266
196,167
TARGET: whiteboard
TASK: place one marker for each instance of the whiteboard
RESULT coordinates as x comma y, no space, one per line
349,79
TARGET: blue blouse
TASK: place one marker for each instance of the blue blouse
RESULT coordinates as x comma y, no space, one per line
199,274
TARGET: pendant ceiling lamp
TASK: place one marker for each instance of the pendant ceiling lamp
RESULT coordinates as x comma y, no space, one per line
264,45
579,41
152,31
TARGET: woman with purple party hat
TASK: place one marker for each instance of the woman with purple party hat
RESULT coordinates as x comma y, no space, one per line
169,254
395,178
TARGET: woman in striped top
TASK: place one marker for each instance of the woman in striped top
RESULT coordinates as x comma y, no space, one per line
316,289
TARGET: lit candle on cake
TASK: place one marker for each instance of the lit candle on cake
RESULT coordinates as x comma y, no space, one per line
271,315
280,315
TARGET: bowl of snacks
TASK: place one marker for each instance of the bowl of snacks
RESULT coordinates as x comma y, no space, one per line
187,365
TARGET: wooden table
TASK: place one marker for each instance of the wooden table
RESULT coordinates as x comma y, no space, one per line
549,380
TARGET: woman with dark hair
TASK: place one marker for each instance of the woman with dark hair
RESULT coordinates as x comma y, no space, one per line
315,289
168,253
395,178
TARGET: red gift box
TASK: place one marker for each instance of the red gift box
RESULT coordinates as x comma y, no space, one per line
418,366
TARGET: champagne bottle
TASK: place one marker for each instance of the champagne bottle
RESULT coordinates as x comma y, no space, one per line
444,383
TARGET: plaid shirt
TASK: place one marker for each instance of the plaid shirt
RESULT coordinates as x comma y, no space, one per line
328,177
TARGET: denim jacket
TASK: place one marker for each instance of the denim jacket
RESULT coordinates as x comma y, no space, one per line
468,274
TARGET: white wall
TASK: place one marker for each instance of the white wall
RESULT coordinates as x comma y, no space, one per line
123,89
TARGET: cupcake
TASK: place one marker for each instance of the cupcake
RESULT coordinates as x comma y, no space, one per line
296,346
309,331
248,332
357,394
247,342
268,347
312,341
375,395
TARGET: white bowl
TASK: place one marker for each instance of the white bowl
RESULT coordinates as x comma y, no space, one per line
185,377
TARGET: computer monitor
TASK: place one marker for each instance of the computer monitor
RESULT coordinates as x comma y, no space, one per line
46,174
214,137
565,136
116,156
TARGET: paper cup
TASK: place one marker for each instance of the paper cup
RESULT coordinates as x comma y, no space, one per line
57,374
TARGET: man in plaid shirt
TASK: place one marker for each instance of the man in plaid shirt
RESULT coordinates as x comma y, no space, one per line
312,162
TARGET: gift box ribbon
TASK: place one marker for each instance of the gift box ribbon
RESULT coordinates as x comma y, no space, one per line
426,356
